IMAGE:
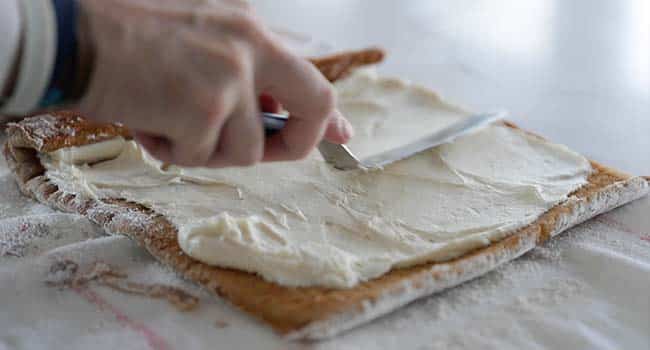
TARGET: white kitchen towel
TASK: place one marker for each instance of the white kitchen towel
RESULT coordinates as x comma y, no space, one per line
589,288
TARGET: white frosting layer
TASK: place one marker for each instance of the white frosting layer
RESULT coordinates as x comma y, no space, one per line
90,153
305,223
390,112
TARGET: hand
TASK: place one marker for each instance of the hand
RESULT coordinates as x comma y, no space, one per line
187,76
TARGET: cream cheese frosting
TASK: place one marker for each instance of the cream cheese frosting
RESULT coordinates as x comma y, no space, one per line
389,112
307,224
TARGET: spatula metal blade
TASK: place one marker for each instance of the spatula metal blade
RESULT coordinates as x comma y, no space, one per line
342,158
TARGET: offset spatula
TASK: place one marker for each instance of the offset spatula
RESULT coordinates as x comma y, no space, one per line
342,158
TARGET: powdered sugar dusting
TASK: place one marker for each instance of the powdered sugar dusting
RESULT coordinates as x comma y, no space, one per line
66,273
560,295
31,235
524,304
43,127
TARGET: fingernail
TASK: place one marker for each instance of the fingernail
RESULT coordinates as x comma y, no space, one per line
346,128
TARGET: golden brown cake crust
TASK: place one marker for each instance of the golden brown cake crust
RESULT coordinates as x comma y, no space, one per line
338,66
311,312
46,133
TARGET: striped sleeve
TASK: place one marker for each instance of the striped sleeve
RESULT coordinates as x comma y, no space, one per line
10,27
34,24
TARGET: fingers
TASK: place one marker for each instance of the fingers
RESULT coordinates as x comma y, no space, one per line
308,97
191,137
197,150
187,81
241,142
339,130
158,147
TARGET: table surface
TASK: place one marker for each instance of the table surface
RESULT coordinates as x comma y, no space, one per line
573,71
576,72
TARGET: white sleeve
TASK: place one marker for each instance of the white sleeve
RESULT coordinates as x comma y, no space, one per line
10,40
36,25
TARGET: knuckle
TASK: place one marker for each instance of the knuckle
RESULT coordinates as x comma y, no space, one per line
236,62
301,153
244,23
245,19
328,96
211,124
275,52
248,159
251,154
326,100
238,66
214,110
213,106
231,59
206,117
189,159
245,6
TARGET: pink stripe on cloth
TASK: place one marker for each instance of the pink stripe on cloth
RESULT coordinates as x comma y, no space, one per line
615,224
155,341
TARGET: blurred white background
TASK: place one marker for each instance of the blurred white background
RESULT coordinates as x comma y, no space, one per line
576,72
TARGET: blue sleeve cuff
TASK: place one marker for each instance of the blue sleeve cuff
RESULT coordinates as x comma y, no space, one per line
61,86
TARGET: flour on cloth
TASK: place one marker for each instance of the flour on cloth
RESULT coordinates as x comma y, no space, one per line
305,223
